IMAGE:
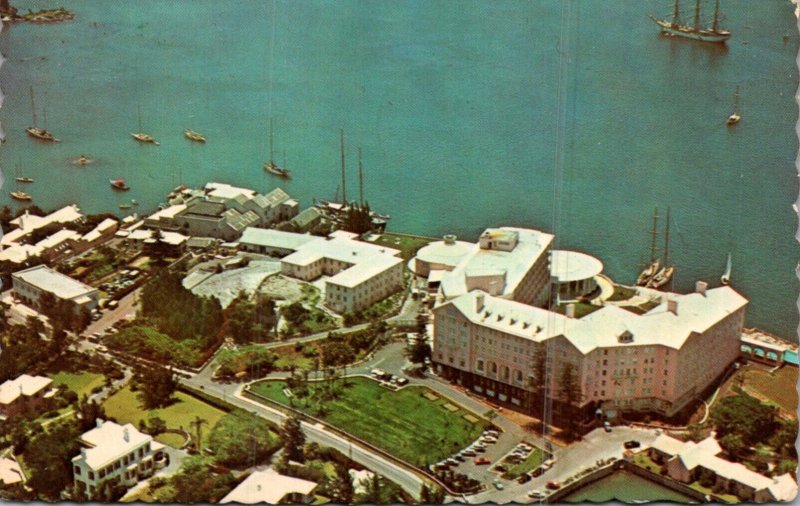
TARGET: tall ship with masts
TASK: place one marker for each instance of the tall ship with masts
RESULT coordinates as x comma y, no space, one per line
651,269
271,166
39,133
675,26
664,275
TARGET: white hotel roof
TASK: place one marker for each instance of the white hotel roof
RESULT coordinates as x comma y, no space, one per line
573,266
226,191
27,223
531,245
695,313
23,385
60,285
108,443
268,487
275,238
168,212
97,231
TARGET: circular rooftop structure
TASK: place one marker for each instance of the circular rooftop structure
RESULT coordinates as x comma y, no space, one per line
441,255
575,273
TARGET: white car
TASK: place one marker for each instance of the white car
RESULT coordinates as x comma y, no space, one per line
536,494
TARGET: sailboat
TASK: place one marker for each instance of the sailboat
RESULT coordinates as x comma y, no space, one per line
674,27
735,116
725,279
18,194
664,275
194,136
652,268
143,137
39,133
271,166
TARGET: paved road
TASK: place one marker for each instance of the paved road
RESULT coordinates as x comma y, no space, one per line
409,481
596,445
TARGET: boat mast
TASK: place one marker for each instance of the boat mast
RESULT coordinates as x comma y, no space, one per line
140,118
697,15
341,148
271,155
360,180
666,242
676,13
715,24
33,108
654,234
736,101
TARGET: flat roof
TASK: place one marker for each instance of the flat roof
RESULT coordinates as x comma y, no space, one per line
570,266
446,252
226,191
168,212
530,247
10,472
97,231
272,238
27,222
268,487
205,208
49,280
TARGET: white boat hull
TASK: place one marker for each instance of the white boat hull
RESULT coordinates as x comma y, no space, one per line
688,32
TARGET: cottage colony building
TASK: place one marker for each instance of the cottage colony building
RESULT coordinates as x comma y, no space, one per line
657,362
115,452
30,284
687,461
23,392
272,488
223,211
360,273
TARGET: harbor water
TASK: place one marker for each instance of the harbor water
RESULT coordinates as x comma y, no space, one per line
455,110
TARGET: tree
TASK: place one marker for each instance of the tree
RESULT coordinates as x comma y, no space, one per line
155,426
293,440
733,445
197,483
539,367
569,390
746,416
342,487
242,440
784,439
198,423
420,350
156,385
88,413
48,459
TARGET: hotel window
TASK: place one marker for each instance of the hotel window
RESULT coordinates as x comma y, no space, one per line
91,475
77,470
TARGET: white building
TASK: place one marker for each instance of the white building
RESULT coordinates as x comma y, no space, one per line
360,273
21,392
512,263
115,452
27,223
272,488
30,284
574,274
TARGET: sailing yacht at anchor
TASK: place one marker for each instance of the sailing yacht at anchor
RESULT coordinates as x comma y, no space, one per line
675,27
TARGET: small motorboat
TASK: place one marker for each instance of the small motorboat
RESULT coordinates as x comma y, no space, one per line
20,195
194,136
134,202
82,160
124,206
24,180
145,138
119,184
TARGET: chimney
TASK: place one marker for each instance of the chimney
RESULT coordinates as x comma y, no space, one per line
479,300
126,435
98,422
570,310
449,239
258,487
83,453
672,306
700,287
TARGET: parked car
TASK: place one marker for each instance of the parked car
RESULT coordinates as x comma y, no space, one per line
489,439
479,448
482,461
498,485
606,426
525,478
402,381
553,485
538,472
631,444
459,457
468,453
451,461
536,494
491,432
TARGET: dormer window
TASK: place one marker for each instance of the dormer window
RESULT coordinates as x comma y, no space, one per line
525,325
625,337
512,321
499,317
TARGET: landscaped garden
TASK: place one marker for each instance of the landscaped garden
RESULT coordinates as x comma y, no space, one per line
407,244
82,383
126,407
779,387
531,462
418,428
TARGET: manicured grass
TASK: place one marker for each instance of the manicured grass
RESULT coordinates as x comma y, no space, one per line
404,423
287,356
778,386
81,383
408,245
126,408
641,459
533,461
622,293
170,439
707,490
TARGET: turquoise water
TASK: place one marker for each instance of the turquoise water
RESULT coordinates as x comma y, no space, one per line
455,108
626,487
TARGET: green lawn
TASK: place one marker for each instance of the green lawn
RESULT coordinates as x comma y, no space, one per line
622,293
780,386
581,309
287,355
81,383
641,459
403,423
408,245
125,407
707,490
533,461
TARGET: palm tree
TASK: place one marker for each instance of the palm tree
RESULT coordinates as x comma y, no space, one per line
198,430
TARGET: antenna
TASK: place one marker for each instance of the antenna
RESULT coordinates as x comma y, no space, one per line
360,180
341,146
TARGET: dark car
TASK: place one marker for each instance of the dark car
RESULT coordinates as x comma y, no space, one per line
537,472
525,478
631,444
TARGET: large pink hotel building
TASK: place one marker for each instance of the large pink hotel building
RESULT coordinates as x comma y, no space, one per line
652,363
